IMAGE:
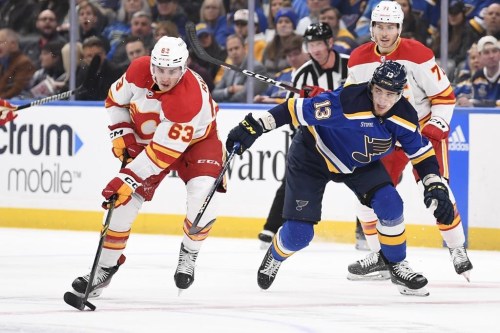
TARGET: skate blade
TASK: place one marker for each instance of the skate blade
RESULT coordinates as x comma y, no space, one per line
376,276
93,294
466,275
422,292
179,292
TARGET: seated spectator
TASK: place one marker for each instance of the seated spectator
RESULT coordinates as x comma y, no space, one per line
274,59
315,6
90,19
171,10
135,48
207,41
140,27
296,57
485,85
59,8
46,25
108,73
232,86
16,69
19,15
414,27
344,41
492,20
472,65
241,29
165,28
274,6
65,52
460,38
213,13
51,77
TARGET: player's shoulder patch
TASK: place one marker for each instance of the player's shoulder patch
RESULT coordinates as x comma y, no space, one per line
183,103
138,72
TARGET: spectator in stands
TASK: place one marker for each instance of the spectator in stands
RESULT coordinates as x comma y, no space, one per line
274,6
460,37
241,29
485,85
274,59
492,20
46,25
315,6
59,8
19,15
195,66
344,41
51,77
65,52
165,28
472,65
414,27
16,69
207,41
172,11
108,73
90,19
213,13
140,27
232,86
134,48
296,57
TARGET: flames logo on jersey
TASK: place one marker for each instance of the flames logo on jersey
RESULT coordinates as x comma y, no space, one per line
145,122
373,147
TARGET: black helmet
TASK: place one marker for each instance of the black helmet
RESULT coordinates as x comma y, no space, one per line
390,75
318,31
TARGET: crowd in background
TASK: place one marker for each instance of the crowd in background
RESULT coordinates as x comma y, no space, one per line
35,53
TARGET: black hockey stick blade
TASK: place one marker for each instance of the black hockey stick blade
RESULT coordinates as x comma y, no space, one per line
77,302
90,82
194,227
203,55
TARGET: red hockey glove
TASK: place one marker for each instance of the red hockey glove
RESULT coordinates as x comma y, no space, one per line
436,129
123,138
7,112
123,186
310,91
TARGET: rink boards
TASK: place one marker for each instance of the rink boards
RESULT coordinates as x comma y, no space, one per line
56,159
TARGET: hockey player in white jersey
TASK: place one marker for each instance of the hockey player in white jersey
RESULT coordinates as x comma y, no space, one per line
163,119
430,92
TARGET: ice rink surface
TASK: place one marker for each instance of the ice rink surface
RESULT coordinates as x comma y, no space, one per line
310,294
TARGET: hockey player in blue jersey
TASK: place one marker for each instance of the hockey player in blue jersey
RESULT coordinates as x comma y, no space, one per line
342,137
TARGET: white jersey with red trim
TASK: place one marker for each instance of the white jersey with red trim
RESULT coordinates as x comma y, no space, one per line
167,122
428,88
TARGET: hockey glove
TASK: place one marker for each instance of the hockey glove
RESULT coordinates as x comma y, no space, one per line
247,131
310,91
436,129
7,112
123,186
436,193
123,137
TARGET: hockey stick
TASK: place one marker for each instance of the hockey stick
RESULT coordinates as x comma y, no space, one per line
88,83
79,302
194,227
203,55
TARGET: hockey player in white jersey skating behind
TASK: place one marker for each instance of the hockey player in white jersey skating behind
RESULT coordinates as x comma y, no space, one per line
430,92
163,117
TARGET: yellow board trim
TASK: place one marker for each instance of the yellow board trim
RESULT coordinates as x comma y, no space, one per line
225,226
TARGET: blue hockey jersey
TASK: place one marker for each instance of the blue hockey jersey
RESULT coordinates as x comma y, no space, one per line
348,135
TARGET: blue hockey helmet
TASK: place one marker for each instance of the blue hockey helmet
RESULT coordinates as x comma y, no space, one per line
390,75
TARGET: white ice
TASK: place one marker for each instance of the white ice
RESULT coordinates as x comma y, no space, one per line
310,294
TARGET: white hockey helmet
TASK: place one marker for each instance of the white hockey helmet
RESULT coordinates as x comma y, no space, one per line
169,52
387,12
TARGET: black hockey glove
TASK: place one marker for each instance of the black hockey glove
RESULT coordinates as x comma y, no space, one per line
437,192
247,131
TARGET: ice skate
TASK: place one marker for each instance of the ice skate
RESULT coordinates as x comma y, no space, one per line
461,261
268,270
372,267
184,274
102,279
408,282
361,243
266,237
